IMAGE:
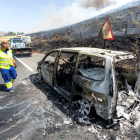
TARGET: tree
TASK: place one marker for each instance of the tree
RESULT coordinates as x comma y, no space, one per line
10,34
20,33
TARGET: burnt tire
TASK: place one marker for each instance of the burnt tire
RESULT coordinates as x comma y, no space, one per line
84,106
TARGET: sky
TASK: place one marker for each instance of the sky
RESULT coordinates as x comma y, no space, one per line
38,15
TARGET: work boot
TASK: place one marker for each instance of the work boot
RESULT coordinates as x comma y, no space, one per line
11,91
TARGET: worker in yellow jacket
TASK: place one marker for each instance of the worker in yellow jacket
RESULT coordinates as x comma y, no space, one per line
7,66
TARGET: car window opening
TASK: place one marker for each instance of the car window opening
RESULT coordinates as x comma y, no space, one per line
65,70
125,70
50,59
91,67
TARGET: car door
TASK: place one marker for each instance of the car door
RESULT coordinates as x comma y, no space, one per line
47,68
65,68
90,78
94,80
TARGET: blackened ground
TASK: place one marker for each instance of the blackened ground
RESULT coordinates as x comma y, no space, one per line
120,43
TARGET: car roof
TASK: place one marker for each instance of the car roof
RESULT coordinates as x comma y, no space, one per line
111,53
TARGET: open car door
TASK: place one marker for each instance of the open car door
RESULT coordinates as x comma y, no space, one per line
47,68
64,73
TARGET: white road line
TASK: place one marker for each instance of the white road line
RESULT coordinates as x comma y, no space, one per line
5,107
24,64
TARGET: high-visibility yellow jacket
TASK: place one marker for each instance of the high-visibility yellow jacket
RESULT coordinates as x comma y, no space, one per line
6,59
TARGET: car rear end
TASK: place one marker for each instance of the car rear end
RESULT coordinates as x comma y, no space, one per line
23,51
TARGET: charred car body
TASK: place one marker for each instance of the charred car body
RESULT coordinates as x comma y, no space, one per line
95,75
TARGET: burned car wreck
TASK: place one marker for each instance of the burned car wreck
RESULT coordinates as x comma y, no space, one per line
99,78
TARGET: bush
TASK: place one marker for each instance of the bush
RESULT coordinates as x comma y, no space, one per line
134,22
46,44
69,32
56,36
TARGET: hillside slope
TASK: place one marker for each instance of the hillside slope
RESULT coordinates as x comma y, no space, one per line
128,14
6,38
85,33
2,33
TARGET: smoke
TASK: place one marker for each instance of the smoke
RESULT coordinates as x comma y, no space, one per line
96,3
53,17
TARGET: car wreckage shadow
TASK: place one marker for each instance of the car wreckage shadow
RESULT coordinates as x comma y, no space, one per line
3,88
24,55
68,108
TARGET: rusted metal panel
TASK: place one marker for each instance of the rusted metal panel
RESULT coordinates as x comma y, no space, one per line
96,98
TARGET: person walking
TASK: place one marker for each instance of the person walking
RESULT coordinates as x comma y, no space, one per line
7,66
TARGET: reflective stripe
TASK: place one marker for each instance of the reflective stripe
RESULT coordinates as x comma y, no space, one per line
12,80
6,64
8,82
9,85
6,59
10,88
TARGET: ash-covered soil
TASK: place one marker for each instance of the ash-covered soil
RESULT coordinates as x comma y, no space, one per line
37,112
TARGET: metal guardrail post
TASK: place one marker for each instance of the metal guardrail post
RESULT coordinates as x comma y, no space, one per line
126,29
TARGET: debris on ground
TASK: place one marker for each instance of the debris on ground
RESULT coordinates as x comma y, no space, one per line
127,110
127,104
37,77
67,122
84,120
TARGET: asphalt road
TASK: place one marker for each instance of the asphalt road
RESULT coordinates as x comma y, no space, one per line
12,104
36,112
